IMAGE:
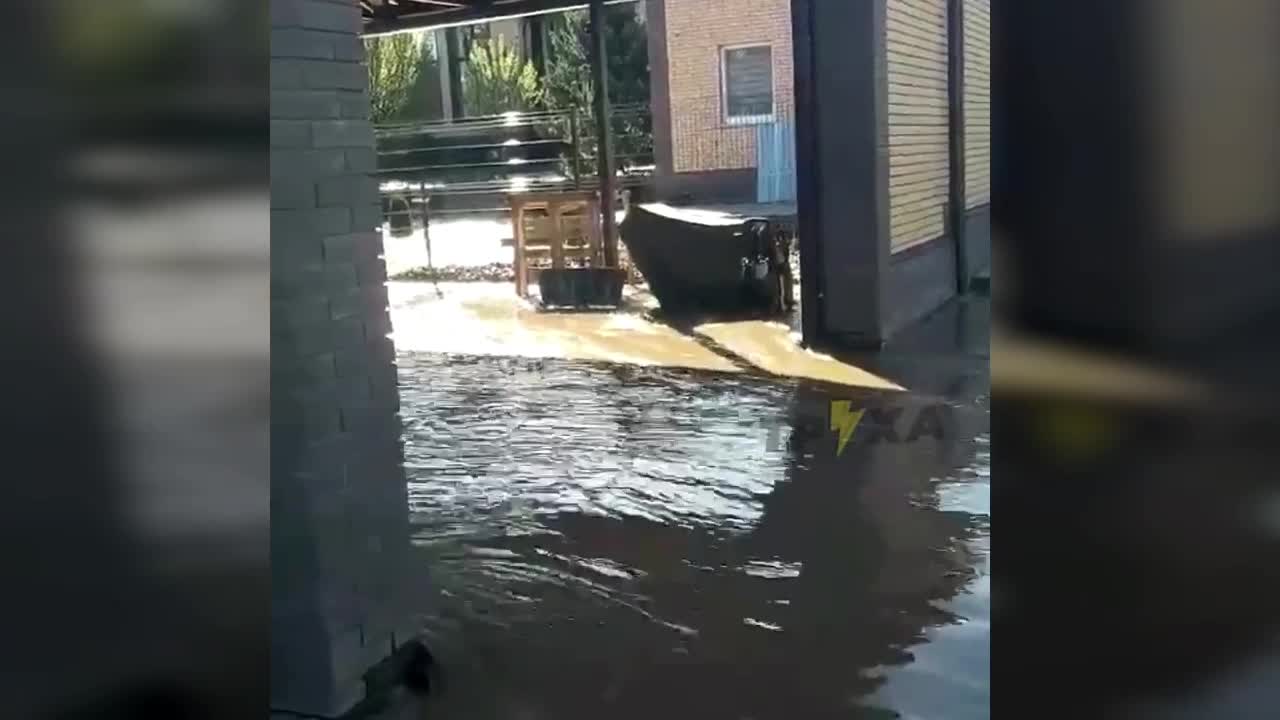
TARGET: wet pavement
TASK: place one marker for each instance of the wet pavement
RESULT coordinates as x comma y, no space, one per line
630,541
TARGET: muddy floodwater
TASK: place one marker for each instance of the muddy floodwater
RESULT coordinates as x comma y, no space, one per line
614,540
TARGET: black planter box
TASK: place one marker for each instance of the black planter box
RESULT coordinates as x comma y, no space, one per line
581,287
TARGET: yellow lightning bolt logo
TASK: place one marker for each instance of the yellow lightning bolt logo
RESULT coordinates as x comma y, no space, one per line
844,421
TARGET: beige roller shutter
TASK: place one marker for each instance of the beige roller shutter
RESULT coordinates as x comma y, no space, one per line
977,102
916,45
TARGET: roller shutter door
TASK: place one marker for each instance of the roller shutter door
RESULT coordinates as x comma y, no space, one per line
916,48
977,102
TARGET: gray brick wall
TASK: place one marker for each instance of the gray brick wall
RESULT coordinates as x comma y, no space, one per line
339,513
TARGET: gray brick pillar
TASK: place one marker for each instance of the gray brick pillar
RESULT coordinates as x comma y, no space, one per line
339,525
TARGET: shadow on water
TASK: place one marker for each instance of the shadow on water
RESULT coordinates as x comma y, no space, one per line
614,541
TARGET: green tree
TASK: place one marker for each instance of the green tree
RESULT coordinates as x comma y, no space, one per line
569,84
426,98
568,80
497,80
395,64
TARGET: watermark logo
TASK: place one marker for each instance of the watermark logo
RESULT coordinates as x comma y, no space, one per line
850,423
844,421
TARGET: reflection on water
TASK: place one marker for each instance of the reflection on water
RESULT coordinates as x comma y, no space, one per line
950,672
489,319
620,541
483,318
774,348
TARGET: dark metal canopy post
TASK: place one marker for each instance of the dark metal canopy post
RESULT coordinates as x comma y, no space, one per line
604,132
955,146
454,60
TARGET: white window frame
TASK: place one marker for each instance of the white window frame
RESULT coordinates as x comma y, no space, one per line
724,86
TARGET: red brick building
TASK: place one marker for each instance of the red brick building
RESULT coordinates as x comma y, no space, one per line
719,68
722,68
904,126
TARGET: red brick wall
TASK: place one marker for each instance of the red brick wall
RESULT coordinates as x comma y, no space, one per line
696,30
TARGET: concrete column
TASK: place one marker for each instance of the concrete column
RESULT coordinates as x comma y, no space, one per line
339,524
842,156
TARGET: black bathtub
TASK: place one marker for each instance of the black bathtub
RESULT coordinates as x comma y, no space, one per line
697,260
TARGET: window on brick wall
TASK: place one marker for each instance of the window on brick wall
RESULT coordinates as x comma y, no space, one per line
746,83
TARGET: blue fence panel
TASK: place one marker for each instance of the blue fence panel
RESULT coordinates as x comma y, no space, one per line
776,162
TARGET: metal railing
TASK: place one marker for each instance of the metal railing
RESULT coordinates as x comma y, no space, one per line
469,165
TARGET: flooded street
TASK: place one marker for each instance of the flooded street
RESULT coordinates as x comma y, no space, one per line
631,541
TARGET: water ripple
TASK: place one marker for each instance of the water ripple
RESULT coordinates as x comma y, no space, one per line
655,532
